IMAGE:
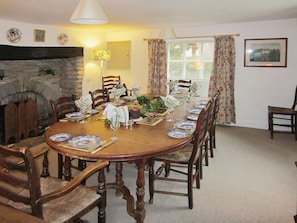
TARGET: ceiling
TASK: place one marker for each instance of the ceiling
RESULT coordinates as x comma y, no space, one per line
150,14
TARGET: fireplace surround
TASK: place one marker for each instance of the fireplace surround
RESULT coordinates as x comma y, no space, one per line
40,73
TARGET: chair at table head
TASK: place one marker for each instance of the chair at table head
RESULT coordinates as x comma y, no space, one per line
99,96
62,106
112,81
46,197
182,85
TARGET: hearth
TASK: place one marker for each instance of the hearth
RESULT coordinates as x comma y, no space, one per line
38,75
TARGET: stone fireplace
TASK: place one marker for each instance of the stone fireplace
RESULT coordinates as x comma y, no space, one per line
42,75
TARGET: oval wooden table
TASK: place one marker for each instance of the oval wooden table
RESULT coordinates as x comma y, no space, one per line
136,145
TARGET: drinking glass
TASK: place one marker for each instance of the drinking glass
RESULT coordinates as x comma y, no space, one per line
83,111
169,115
114,125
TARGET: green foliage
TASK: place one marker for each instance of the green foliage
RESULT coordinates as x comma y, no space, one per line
107,122
150,105
144,101
157,104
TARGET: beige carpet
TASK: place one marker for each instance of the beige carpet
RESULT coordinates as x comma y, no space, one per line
251,179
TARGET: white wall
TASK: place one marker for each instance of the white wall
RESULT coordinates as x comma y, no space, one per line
255,88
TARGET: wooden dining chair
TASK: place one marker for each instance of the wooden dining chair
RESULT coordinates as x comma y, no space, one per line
99,96
212,133
208,147
49,198
112,81
284,117
210,141
189,156
60,107
182,85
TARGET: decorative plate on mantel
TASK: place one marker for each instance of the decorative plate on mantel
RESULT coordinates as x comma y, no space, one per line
62,38
14,35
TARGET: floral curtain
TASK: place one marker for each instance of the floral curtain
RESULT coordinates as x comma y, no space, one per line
157,76
222,76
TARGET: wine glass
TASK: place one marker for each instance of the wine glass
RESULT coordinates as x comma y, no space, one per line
135,92
169,115
114,125
83,110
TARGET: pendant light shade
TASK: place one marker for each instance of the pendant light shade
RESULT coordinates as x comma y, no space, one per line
89,12
167,33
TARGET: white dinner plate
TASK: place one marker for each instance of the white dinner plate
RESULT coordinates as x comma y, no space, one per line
178,134
195,111
93,111
203,102
74,115
192,117
60,137
130,98
200,106
185,124
84,141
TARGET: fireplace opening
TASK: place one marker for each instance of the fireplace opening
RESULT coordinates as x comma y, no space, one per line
40,74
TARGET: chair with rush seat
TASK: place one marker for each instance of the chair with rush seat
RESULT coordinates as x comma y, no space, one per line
188,158
285,117
46,197
60,107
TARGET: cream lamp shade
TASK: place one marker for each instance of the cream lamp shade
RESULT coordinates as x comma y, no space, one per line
167,33
89,12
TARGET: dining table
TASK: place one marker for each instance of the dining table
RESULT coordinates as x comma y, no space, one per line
137,144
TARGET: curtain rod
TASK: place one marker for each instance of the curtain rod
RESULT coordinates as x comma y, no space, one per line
188,37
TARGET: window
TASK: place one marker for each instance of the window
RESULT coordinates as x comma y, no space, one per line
190,59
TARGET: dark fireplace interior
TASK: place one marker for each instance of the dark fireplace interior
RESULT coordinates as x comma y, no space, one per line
41,74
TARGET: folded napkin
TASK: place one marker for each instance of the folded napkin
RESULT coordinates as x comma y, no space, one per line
117,92
84,102
170,102
120,113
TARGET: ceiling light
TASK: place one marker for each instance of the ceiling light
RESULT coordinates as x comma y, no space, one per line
88,12
167,33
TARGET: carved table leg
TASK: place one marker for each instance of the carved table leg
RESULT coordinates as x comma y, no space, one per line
119,178
139,212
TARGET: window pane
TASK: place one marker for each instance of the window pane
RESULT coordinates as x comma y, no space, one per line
207,70
192,70
193,51
175,51
190,59
175,70
208,49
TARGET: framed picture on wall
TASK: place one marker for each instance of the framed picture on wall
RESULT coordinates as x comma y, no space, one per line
271,52
39,35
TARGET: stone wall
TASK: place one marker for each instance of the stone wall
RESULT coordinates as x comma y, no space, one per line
42,80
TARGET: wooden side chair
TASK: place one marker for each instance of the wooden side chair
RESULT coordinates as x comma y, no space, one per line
108,82
99,96
210,141
212,133
182,84
49,198
60,107
189,156
111,81
208,147
287,117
